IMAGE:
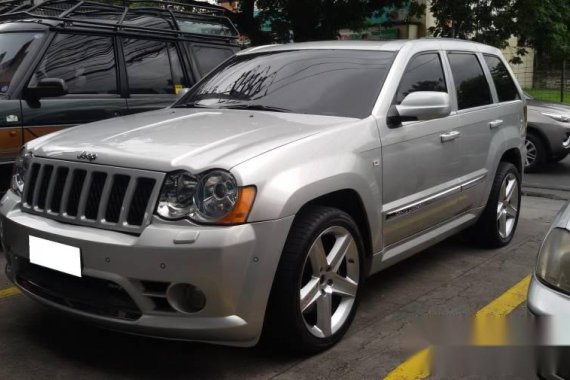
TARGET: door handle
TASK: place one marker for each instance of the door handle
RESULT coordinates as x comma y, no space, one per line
450,136
495,124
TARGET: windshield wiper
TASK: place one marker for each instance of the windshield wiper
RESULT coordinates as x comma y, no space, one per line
255,107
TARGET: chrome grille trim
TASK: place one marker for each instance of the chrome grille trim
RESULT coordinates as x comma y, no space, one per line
42,168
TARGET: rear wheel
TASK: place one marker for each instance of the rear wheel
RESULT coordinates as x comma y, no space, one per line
535,153
499,220
316,289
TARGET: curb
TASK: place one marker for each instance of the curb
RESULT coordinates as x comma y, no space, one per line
554,194
542,187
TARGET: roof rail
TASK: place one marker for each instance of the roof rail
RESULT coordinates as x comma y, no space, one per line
188,18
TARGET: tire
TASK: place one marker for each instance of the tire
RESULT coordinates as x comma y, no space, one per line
498,223
536,153
560,157
302,267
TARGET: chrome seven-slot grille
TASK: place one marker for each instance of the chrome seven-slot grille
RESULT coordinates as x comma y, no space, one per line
108,197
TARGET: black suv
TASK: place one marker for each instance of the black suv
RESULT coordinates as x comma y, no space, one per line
64,63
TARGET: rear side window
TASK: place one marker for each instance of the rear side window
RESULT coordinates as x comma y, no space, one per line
153,67
470,82
85,63
209,57
506,88
424,73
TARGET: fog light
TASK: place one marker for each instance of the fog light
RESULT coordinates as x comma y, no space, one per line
186,298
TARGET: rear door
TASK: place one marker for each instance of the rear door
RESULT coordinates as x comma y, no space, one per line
477,111
88,66
155,73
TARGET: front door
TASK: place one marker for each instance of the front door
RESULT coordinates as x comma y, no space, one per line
421,167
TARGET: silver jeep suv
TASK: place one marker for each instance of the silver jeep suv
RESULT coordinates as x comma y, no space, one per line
261,201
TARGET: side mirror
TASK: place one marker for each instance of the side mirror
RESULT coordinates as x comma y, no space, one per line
425,105
181,93
47,88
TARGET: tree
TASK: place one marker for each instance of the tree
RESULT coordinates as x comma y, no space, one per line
311,20
545,25
491,22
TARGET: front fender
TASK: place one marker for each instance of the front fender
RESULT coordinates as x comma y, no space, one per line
341,158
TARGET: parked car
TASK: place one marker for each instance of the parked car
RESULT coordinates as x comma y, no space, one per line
264,197
64,63
549,298
548,134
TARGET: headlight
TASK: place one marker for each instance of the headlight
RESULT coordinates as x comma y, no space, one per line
212,197
21,166
177,196
554,260
556,116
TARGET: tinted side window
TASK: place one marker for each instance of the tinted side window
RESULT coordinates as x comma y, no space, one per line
424,73
470,82
208,57
150,68
506,89
86,63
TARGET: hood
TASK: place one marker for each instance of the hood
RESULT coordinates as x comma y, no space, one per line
182,138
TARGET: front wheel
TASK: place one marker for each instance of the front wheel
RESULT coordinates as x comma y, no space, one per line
499,220
317,285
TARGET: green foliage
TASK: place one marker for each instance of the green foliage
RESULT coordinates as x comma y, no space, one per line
312,20
491,22
541,24
545,25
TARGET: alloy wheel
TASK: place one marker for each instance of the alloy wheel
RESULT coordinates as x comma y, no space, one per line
508,206
329,282
531,153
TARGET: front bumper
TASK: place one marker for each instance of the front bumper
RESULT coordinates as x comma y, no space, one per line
546,302
125,277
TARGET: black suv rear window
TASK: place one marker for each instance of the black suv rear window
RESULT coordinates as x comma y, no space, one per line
153,67
320,82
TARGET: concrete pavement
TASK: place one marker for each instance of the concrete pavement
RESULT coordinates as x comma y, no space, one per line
453,278
554,179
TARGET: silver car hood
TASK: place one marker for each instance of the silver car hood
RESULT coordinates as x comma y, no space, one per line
174,138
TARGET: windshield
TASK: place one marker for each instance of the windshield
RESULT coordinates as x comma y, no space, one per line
14,48
319,82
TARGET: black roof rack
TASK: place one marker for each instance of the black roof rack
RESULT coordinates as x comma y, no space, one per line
13,5
188,18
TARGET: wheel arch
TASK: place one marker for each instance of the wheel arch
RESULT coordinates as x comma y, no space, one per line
514,157
349,201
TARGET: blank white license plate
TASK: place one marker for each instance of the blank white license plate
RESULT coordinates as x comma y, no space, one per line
60,257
